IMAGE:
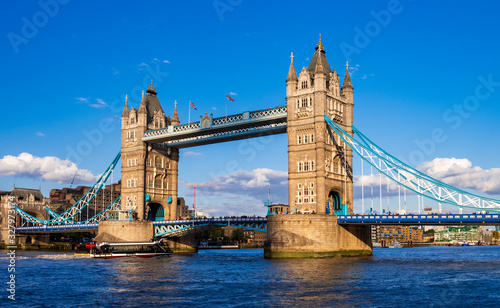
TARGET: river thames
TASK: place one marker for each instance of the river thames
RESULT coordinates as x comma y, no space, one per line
411,277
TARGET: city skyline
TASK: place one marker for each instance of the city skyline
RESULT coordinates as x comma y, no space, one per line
425,88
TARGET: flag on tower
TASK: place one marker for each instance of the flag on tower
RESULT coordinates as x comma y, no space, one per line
192,105
229,98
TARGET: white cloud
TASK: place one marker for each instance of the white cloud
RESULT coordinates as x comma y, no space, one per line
99,104
213,108
190,153
364,76
460,173
115,71
233,93
242,192
49,168
156,60
40,134
82,100
457,172
166,61
143,64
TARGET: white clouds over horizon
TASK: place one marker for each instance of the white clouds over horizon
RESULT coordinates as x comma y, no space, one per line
49,168
457,172
243,192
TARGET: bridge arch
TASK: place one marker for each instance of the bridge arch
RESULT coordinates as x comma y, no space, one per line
335,203
156,212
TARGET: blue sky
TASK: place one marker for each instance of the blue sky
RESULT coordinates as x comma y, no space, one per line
415,65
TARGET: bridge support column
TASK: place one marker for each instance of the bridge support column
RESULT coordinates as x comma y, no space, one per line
125,231
314,236
183,244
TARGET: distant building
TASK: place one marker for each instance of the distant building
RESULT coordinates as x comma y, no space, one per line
183,209
62,199
403,234
459,234
30,201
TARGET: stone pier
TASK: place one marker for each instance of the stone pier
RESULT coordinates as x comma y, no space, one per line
142,231
313,236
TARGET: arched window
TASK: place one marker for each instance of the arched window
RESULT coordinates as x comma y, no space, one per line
158,182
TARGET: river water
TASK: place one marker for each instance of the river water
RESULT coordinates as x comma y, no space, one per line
410,277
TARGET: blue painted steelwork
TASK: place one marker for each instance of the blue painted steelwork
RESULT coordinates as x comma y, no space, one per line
78,206
94,219
179,227
234,127
410,178
422,220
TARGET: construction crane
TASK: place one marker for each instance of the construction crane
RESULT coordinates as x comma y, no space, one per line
194,192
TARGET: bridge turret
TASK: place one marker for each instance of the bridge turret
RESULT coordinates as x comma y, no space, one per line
175,117
347,88
291,80
125,112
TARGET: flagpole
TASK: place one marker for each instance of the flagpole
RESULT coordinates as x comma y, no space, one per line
226,105
189,114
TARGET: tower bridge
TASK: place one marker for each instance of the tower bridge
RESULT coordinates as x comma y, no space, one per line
318,121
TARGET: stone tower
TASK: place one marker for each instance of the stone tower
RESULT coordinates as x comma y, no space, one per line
149,171
319,168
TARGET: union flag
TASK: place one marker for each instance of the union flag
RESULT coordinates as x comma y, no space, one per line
192,105
229,98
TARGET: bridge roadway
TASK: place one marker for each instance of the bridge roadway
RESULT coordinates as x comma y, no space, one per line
179,227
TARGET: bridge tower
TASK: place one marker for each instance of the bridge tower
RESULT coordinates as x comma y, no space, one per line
319,168
149,171
320,177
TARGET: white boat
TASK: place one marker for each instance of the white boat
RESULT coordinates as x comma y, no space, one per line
130,249
396,244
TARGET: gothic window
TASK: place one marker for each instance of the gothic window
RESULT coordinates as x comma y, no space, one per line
312,165
299,186
312,185
305,139
158,182
298,104
306,191
304,84
299,167
306,200
312,138
299,139
136,162
306,166
310,102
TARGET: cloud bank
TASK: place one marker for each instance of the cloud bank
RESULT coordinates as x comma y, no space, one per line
49,168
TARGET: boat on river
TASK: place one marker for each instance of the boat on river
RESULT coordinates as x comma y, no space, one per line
130,249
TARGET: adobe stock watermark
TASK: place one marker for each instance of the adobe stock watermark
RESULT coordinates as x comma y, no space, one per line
94,137
363,36
454,117
11,254
31,26
223,6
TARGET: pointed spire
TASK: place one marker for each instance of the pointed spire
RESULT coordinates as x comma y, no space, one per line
175,117
319,69
125,109
292,74
347,78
